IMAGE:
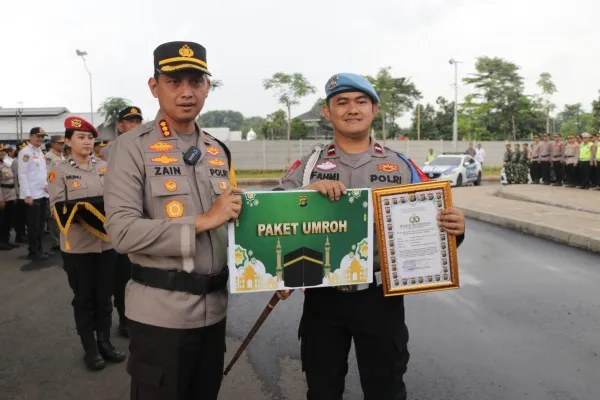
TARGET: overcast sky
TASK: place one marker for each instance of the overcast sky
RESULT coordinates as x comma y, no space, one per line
247,41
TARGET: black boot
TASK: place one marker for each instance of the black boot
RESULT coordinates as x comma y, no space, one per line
123,329
107,350
93,360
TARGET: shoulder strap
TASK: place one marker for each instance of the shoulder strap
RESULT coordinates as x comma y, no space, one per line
310,164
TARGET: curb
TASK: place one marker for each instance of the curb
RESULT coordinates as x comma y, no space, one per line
512,196
530,228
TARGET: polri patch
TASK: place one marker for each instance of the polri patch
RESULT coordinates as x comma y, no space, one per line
51,176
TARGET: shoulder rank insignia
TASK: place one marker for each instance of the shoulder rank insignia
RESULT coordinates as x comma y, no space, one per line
164,127
216,162
161,146
174,209
164,159
212,150
387,167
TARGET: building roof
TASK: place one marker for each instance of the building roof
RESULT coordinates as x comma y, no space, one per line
51,119
312,115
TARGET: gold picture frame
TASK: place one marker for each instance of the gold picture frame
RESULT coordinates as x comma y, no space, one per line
423,197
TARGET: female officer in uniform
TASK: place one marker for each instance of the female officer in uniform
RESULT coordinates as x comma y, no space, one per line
8,201
76,190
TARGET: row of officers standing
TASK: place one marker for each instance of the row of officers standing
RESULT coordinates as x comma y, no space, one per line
573,164
71,188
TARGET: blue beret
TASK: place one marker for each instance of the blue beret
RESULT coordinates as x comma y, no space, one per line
347,82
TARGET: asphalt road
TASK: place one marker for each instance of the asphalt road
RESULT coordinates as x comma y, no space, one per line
525,324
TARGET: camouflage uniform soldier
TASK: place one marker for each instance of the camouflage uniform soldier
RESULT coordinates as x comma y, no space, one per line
524,164
508,171
515,162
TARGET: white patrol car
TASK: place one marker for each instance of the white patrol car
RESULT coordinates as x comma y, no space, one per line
456,168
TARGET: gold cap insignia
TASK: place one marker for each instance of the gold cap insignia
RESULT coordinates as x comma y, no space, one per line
76,123
185,51
41,132
134,111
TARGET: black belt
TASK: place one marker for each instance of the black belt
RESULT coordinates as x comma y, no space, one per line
7,186
180,281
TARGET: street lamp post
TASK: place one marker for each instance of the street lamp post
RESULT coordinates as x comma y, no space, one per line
455,124
82,54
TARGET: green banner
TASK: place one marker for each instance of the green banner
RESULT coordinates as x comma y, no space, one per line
300,239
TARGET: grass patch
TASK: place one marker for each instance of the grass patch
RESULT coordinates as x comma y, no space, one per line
491,170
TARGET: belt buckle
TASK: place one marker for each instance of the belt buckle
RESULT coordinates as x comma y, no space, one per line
347,288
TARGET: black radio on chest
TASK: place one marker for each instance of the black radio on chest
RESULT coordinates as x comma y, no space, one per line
192,155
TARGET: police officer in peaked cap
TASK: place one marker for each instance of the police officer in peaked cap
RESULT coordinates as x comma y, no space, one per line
333,317
170,192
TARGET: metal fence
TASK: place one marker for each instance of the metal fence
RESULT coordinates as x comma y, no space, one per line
268,155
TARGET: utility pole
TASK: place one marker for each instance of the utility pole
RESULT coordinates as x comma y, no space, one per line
455,124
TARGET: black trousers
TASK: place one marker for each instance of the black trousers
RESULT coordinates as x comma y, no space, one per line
594,171
534,171
558,167
545,169
122,276
91,279
20,219
7,216
571,174
175,364
584,174
37,214
331,320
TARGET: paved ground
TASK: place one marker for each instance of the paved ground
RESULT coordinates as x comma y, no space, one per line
524,325
570,216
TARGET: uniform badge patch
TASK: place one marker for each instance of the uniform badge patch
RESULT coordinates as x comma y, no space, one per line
223,185
164,127
291,170
387,167
378,148
216,162
102,170
171,186
75,185
51,176
164,159
161,146
75,123
25,157
327,166
212,150
174,209
331,150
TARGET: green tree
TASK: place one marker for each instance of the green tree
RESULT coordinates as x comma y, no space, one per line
274,127
222,118
110,108
289,90
596,115
583,122
548,88
215,84
427,121
299,129
253,123
570,115
396,96
497,87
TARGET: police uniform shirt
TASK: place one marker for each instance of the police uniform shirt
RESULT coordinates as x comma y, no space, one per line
70,181
535,151
53,158
32,173
105,151
152,198
571,153
545,151
7,183
558,152
15,170
374,168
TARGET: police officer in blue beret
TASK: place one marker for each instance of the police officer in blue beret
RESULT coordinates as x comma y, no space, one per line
333,317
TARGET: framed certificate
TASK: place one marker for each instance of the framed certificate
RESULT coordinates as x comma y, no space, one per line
416,255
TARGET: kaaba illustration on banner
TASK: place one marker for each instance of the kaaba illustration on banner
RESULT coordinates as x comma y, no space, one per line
303,267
